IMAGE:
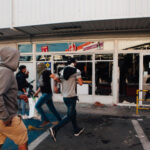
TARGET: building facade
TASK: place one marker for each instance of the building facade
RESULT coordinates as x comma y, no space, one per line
109,38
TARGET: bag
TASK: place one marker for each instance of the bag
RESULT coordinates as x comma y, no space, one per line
32,111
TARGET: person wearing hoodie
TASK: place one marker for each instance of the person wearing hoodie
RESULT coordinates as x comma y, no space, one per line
68,77
11,125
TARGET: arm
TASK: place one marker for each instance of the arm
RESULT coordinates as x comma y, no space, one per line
5,78
24,90
79,78
55,78
55,87
56,81
24,97
37,92
80,81
27,74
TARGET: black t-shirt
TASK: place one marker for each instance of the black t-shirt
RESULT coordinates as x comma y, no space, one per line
45,82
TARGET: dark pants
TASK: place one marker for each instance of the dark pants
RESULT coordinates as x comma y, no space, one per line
46,98
71,114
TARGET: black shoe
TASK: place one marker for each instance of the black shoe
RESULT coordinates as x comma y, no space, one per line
53,134
78,132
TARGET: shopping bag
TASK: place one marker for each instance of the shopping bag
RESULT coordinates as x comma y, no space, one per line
32,111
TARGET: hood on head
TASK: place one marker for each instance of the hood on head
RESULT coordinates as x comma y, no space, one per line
9,57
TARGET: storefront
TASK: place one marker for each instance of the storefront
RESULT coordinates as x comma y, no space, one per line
95,60
112,70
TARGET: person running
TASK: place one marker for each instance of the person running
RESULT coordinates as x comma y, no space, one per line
68,77
23,84
11,125
45,88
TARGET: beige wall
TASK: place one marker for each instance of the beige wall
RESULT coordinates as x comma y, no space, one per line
9,45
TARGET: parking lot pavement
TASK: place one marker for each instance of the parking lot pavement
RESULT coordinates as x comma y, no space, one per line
145,124
101,133
32,134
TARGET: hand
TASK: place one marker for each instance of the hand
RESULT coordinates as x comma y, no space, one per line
52,76
36,95
24,97
7,123
27,72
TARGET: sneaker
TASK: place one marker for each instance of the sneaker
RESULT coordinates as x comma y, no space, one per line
44,123
53,134
78,132
24,117
37,117
55,122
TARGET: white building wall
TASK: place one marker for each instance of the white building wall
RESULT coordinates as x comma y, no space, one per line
5,13
34,12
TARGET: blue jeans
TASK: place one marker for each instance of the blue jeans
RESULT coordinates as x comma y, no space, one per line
46,99
22,103
71,114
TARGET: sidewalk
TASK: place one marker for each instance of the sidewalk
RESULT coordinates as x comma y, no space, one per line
106,110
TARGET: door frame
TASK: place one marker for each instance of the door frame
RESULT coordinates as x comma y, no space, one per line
141,74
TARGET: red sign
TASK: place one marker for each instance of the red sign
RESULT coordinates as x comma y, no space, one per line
44,48
72,47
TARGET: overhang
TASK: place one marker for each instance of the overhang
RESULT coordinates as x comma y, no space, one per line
77,28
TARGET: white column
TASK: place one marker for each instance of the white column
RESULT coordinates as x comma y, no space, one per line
115,79
93,76
34,64
141,77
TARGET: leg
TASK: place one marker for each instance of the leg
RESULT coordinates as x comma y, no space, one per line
72,113
2,136
69,117
23,147
38,107
23,107
22,103
52,108
17,132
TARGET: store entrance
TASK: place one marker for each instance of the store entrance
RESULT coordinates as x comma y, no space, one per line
145,79
128,77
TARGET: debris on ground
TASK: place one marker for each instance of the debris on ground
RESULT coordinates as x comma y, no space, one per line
98,104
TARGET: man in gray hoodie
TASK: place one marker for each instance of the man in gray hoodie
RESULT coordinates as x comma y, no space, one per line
11,125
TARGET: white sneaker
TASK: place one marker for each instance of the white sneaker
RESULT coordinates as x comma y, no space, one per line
38,117
80,131
24,117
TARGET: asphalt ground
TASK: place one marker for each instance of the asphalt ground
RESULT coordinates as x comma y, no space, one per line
32,134
101,133
145,124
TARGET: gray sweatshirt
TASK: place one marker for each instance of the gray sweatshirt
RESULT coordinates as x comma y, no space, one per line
69,85
9,60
